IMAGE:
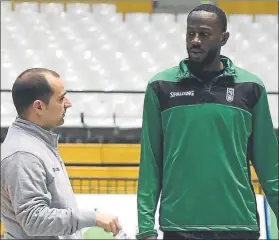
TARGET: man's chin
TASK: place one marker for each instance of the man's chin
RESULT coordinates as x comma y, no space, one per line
196,61
62,122
197,64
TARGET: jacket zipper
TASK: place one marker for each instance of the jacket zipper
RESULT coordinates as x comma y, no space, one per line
209,86
59,159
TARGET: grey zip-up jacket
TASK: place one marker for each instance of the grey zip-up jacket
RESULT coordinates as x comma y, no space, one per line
37,200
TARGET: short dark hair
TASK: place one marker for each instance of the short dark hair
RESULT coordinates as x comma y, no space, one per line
31,85
214,9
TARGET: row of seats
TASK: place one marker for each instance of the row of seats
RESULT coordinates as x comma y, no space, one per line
99,154
100,10
112,172
105,110
99,51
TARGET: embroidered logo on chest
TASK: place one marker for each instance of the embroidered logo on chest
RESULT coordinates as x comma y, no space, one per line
230,94
56,169
179,94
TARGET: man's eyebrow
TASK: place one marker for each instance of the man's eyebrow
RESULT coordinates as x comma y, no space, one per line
201,27
63,95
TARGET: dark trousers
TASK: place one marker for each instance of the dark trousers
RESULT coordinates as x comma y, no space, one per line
211,235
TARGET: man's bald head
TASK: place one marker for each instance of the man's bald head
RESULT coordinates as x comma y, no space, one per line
32,85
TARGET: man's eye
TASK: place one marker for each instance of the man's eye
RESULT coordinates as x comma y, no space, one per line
191,33
204,34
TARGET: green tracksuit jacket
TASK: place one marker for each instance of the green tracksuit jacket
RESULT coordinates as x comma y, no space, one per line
197,141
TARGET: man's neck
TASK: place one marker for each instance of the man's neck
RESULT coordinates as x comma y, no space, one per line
213,67
197,70
33,120
206,74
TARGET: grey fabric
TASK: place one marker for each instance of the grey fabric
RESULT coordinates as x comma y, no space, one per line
37,199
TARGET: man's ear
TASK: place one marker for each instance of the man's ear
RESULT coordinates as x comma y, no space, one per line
38,106
225,37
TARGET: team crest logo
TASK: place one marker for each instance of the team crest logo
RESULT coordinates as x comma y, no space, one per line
230,94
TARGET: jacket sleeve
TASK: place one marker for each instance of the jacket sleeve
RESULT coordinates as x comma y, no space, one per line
265,151
26,184
151,158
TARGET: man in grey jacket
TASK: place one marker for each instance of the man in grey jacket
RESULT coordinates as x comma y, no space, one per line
37,200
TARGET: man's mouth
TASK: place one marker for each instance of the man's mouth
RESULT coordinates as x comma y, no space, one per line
194,50
196,54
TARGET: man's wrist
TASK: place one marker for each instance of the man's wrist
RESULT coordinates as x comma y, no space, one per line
87,219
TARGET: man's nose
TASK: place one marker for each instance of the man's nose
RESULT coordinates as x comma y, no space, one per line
196,40
68,104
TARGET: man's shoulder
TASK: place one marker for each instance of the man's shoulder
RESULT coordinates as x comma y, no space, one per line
168,74
17,157
18,141
245,76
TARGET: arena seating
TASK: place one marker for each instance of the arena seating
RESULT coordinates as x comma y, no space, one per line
99,51
104,50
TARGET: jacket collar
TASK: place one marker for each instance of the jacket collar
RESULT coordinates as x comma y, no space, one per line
185,73
46,136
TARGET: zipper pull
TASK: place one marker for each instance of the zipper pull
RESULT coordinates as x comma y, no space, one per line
207,88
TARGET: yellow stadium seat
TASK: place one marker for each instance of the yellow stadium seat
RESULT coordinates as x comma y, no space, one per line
2,229
100,153
249,7
145,6
103,172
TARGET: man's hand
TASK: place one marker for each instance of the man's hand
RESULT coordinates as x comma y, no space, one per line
108,223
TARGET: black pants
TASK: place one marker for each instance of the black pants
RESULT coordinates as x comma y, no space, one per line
211,235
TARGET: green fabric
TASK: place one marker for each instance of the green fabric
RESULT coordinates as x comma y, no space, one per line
149,185
208,188
265,155
221,179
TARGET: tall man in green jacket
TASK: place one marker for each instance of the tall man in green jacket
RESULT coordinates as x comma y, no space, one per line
203,121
